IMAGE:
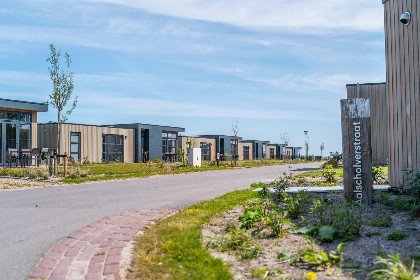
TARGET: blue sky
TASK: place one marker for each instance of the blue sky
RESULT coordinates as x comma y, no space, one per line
276,66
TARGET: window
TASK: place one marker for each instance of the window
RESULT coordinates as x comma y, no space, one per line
205,151
264,150
25,117
246,152
25,136
112,148
75,146
271,153
169,146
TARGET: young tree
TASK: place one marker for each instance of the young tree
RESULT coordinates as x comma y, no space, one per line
62,87
322,147
307,147
284,138
235,130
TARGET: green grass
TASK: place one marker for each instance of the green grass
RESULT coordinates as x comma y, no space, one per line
172,248
80,173
318,173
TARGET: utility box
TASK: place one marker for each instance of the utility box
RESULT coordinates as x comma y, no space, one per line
194,157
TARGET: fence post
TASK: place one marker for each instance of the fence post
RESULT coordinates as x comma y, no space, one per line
55,165
65,164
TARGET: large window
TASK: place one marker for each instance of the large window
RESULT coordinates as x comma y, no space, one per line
246,152
272,153
264,150
169,146
75,146
25,136
205,151
112,148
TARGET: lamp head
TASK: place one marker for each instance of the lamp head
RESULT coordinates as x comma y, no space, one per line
405,18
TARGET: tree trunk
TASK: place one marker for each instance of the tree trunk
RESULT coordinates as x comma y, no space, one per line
58,132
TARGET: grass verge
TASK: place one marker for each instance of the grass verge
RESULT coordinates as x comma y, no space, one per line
172,249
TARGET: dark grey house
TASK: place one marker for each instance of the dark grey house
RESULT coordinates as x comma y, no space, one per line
259,148
18,125
154,141
224,144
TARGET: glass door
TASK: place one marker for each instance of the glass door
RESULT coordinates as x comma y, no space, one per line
11,136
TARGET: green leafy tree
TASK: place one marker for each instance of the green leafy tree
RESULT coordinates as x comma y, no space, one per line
62,87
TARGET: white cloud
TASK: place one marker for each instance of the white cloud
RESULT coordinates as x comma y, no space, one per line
132,106
333,83
294,15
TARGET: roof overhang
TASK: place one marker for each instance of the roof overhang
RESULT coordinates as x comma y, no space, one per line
23,105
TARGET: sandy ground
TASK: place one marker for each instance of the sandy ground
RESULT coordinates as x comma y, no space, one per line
362,250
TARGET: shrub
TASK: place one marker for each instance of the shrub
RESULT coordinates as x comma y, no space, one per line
335,159
413,182
378,175
396,236
329,173
238,241
393,268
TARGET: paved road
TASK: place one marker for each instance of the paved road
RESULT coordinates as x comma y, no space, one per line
33,220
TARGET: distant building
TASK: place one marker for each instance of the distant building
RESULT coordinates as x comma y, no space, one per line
155,141
259,148
207,146
293,152
225,145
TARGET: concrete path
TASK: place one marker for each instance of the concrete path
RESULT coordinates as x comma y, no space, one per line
32,221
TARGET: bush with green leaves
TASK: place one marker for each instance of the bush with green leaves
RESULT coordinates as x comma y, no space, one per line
396,236
335,159
346,217
296,204
378,174
394,268
381,220
413,182
328,172
236,240
264,213
313,257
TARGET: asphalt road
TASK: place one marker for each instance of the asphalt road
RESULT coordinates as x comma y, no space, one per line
33,220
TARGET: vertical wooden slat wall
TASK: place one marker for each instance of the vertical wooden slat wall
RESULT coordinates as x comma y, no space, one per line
377,95
91,139
402,57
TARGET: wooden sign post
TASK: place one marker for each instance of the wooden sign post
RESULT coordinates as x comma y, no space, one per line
357,151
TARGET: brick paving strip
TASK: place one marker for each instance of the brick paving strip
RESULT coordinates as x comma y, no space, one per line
95,251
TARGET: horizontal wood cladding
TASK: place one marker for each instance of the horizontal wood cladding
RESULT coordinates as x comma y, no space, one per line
91,139
377,95
402,59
